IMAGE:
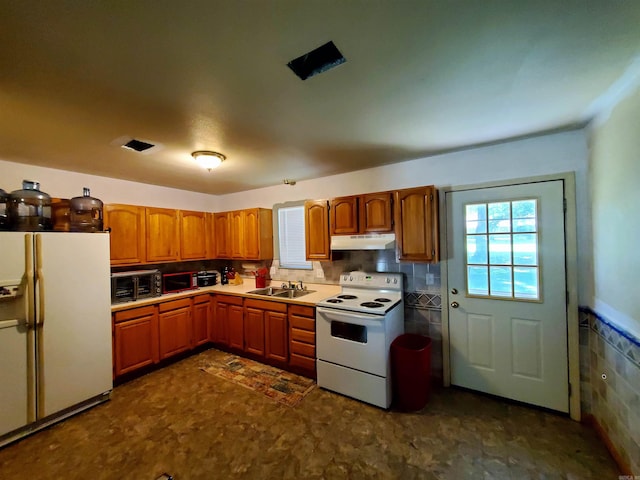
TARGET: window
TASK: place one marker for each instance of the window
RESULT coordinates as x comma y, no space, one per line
502,250
291,236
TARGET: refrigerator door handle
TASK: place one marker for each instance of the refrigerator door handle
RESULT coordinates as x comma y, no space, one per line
31,291
40,279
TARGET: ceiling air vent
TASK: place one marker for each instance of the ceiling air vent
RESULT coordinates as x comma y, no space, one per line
316,61
138,145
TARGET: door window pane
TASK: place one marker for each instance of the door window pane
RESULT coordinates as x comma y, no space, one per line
502,249
478,281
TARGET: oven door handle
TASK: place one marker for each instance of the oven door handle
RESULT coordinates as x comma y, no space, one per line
338,314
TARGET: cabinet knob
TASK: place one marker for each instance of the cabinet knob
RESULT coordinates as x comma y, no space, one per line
455,304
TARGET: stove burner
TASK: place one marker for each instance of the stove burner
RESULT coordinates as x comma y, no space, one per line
334,300
347,297
382,300
371,304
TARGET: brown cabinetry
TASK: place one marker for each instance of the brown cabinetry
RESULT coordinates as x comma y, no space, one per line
200,319
193,235
316,223
222,235
360,214
266,330
210,235
227,324
302,339
135,339
236,228
249,234
127,233
416,214
174,327
162,237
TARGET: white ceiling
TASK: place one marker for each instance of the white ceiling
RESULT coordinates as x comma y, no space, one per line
421,77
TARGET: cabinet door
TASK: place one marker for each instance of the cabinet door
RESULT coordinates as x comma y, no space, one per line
174,330
236,327
276,338
127,233
236,222
344,216
252,234
135,340
210,235
193,235
376,215
416,213
254,330
200,328
163,240
222,242
218,326
316,222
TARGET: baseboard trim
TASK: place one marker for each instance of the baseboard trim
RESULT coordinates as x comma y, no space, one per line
604,436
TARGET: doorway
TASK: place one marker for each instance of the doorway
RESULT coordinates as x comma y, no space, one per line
507,292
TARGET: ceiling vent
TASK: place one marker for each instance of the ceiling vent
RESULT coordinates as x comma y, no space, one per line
317,61
138,145
141,146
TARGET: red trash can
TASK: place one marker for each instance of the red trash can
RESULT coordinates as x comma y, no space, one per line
411,371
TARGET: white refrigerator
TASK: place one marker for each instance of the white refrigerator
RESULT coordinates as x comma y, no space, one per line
55,328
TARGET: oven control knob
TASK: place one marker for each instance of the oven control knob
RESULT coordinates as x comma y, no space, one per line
395,280
388,280
350,278
344,278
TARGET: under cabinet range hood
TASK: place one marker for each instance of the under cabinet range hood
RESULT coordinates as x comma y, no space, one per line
380,241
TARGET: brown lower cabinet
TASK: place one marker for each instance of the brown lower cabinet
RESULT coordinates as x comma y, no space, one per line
279,333
174,327
302,337
135,339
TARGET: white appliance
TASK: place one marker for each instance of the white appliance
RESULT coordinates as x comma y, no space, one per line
55,328
370,241
354,331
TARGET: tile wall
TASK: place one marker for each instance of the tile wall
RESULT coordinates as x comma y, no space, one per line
610,384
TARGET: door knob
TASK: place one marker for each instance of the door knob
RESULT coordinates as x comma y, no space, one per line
454,291
455,304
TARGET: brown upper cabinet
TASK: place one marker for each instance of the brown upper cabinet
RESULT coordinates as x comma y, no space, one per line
416,215
360,214
222,237
193,235
162,233
316,224
128,240
210,235
246,234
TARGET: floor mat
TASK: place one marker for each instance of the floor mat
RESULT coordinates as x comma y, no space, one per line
279,385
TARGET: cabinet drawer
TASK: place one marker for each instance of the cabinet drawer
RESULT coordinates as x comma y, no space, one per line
200,299
302,323
134,313
166,306
303,362
303,336
266,305
229,299
304,349
302,311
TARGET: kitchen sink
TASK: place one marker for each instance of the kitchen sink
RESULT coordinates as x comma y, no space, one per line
292,293
280,292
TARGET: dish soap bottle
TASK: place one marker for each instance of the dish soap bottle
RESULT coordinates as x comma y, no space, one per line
85,213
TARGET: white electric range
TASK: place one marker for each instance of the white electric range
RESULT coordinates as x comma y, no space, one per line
354,331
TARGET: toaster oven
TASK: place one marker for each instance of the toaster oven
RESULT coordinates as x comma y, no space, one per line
135,285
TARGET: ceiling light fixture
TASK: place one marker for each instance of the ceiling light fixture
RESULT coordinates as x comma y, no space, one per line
207,159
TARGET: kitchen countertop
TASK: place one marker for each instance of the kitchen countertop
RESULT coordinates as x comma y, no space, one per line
320,292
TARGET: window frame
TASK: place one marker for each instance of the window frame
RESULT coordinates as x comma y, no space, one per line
276,235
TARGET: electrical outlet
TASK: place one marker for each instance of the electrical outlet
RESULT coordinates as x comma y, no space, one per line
430,279
272,271
319,273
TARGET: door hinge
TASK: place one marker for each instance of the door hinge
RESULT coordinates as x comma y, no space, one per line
564,204
431,197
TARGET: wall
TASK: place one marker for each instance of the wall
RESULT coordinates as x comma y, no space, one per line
610,323
64,184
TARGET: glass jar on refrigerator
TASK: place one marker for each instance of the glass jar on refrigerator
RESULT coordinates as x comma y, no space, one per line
29,209
4,221
85,213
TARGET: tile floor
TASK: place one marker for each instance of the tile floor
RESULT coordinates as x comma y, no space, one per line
194,425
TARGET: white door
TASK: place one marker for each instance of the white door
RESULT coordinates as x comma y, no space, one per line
17,384
74,338
507,292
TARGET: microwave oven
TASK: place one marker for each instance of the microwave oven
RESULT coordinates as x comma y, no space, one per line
179,282
135,285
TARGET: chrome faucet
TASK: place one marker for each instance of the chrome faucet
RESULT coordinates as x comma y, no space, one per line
300,286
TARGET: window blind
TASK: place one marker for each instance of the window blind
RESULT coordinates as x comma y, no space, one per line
291,236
